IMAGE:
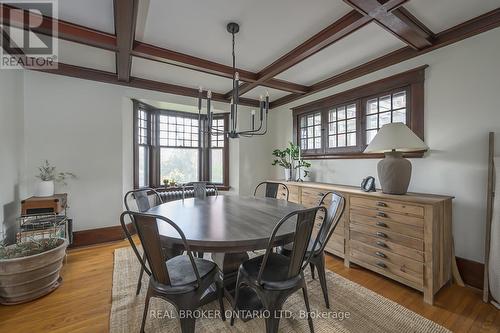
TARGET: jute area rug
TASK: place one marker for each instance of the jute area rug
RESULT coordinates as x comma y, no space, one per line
353,308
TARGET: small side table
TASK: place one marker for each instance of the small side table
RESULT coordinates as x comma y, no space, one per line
56,204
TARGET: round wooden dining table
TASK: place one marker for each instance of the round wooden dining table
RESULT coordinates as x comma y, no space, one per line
227,226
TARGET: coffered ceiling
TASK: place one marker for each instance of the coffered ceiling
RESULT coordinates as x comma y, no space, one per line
291,48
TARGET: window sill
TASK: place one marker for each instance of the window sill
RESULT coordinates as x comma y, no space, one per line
357,156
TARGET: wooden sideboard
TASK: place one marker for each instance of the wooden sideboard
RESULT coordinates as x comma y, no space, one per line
407,238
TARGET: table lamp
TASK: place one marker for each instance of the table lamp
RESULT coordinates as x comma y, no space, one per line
394,171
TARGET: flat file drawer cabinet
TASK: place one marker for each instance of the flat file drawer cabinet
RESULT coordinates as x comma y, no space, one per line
407,238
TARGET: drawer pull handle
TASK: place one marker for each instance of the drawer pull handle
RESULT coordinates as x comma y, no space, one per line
381,204
381,214
381,234
381,224
381,244
380,254
381,264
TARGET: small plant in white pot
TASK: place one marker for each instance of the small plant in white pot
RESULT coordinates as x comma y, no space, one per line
290,159
48,176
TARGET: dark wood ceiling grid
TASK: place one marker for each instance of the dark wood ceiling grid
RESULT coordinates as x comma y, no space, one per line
394,22
331,34
387,13
480,24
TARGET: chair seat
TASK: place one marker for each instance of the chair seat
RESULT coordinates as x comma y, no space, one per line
181,271
182,277
287,249
275,275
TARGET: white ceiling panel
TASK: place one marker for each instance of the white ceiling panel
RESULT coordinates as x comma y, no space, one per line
269,29
364,45
444,14
86,56
161,72
274,94
95,14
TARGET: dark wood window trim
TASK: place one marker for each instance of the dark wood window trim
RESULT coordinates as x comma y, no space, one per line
153,145
412,81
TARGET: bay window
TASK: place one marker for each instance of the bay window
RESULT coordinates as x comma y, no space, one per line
173,145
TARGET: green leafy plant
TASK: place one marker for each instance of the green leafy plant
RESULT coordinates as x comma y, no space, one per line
283,158
49,173
288,158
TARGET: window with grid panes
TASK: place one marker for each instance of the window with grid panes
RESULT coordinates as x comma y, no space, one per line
310,131
384,109
217,151
143,147
342,128
179,146
343,125
170,145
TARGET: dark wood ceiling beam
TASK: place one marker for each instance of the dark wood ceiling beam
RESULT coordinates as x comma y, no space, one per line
151,52
331,34
134,82
125,21
285,86
155,53
390,17
67,31
455,34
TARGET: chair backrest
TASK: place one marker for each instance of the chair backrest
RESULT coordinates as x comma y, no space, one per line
271,189
147,229
303,229
141,197
199,189
332,217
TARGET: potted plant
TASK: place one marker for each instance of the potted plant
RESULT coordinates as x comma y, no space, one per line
48,175
30,269
290,159
283,160
298,163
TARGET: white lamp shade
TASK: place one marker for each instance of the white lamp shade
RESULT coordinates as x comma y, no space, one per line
395,136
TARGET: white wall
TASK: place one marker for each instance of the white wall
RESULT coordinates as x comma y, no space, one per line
461,107
11,150
86,127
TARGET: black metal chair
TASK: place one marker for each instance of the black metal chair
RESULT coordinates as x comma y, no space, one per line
271,190
330,222
274,277
143,203
181,280
200,189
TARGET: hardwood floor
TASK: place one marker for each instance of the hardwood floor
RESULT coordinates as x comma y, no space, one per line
83,302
